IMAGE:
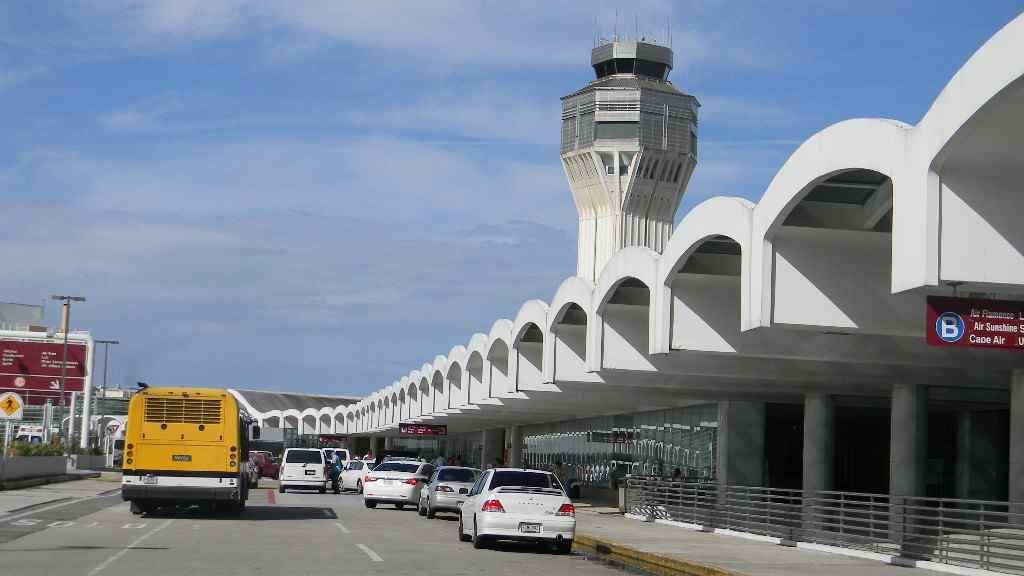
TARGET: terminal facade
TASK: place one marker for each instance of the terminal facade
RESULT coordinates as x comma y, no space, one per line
807,341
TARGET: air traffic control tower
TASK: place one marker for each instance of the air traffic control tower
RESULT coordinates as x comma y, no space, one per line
629,146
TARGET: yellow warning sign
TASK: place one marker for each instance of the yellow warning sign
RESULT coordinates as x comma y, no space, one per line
11,406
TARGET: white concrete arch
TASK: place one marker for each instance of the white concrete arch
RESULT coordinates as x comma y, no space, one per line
968,145
291,419
499,353
526,362
626,333
726,217
439,401
565,339
310,421
868,144
325,420
476,373
412,397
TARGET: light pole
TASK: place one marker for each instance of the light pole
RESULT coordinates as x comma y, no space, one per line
103,395
66,327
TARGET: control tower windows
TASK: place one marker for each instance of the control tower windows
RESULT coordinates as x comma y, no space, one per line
631,66
616,130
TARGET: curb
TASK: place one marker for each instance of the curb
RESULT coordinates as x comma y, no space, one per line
647,562
29,482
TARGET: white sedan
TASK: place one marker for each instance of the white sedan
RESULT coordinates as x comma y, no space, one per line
518,504
352,475
395,482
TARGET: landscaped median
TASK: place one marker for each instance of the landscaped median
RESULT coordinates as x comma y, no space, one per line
34,464
634,559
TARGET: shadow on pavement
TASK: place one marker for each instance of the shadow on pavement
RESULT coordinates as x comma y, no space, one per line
258,513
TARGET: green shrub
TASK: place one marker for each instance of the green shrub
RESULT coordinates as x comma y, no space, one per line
26,449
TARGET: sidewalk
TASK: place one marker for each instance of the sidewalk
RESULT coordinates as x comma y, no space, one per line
12,501
670,550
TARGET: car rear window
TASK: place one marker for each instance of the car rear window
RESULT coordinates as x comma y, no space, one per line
304,457
397,467
456,475
520,478
355,466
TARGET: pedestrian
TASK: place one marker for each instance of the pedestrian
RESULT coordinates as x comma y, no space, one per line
336,468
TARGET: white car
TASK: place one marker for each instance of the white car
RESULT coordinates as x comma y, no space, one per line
303,468
395,482
352,475
446,490
518,504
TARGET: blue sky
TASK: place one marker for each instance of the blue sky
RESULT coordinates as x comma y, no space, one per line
322,196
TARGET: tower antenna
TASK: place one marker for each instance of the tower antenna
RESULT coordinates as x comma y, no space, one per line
636,25
615,31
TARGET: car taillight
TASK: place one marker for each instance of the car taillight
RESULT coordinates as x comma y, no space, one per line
444,489
566,510
368,478
412,481
492,506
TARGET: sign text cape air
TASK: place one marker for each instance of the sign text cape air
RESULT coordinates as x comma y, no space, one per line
974,323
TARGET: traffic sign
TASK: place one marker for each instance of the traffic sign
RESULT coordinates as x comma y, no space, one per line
12,407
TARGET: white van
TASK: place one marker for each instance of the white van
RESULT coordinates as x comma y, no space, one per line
303,468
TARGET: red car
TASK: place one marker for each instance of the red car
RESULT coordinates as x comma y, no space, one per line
265,464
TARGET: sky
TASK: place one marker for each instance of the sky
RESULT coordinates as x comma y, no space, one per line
321,196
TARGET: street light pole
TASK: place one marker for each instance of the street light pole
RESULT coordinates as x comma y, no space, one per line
66,327
103,395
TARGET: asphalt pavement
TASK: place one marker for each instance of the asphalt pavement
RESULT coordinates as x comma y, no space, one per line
297,534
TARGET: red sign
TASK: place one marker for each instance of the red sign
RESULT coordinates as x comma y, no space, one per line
423,429
970,323
36,365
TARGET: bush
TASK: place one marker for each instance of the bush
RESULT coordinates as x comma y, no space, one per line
26,449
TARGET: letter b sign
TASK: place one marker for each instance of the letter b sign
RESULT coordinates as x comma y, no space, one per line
949,327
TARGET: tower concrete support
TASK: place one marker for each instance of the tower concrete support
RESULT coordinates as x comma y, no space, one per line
1016,488
908,440
741,443
819,442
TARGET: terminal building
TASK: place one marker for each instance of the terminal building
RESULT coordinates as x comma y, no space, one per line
855,335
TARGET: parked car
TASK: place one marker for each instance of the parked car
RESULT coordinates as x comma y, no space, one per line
446,490
352,475
395,482
303,468
517,504
266,465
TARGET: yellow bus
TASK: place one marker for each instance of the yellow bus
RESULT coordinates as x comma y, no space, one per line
186,446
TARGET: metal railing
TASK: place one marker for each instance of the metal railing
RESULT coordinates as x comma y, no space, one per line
970,533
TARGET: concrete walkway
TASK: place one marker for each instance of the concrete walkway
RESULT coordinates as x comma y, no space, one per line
674,550
12,501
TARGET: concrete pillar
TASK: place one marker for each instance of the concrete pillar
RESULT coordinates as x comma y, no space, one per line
964,431
493,442
908,444
740,443
819,440
1016,476
515,447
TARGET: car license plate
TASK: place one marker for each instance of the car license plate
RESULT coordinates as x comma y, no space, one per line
181,457
310,472
386,482
149,479
528,528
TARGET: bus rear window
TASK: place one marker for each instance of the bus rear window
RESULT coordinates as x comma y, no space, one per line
304,457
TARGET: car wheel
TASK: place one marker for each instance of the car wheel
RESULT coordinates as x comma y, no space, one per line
281,488
430,512
564,546
399,506
369,503
462,533
137,509
478,541
322,489
359,487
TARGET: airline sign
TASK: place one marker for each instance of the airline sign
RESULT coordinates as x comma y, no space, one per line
972,323
12,407
36,365
423,429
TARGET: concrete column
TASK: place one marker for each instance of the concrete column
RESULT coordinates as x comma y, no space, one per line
819,440
964,431
515,447
493,442
908,444
740,443
1016,476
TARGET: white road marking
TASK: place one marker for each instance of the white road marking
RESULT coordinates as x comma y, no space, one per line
91,525
45,508
125,550
60,524
341,527
373,555
134,526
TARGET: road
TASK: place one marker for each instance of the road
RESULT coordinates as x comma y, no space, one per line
297,534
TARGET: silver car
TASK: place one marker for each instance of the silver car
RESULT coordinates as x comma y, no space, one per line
446,490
